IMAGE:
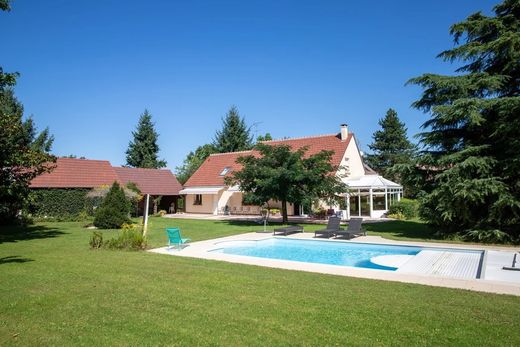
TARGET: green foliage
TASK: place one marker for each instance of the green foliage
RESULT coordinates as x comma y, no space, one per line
59,204
488,236
143,150
114,210
4,6
130,238
282,174
468,171
266,137
390,147
193,161
23,153
96,240
404,209
235,135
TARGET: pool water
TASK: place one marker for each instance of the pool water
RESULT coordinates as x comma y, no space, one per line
315,251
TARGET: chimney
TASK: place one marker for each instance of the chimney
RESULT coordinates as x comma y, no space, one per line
344,132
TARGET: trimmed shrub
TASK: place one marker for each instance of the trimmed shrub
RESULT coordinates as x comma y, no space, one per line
406,207
114,210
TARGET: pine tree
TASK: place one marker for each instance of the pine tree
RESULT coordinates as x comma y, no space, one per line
390,147
469,171
143,150
114,209
235,135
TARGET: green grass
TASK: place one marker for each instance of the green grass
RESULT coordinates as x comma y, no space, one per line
55,291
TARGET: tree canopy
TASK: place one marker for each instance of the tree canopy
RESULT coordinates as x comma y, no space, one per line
282,174
193,161
235,135
143,150
24,154
469,168
390,146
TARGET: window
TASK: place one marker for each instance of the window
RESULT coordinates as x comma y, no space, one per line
198,199
225,171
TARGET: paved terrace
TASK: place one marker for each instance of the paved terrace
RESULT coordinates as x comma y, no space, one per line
443,270
292,219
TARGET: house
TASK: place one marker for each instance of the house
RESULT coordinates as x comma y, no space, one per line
369,194
71,174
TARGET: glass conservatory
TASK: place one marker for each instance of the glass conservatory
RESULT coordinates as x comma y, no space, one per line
371,196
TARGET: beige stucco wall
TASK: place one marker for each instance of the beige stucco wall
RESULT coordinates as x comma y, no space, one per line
215,203
207,203
352,161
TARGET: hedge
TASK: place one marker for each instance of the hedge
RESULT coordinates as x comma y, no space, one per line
406,208
62,204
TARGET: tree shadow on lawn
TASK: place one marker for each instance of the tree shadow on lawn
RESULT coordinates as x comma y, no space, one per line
30,232
14,259
403,229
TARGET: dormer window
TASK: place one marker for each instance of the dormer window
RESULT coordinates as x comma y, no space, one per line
226,170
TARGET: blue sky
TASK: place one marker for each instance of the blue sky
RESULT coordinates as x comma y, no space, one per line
293,68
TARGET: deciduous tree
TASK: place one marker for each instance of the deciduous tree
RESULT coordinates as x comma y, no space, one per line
286,175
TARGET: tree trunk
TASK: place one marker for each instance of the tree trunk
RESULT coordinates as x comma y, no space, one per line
285,219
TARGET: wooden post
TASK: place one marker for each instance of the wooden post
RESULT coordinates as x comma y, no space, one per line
146,207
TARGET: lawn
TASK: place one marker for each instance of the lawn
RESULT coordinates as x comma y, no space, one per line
55,291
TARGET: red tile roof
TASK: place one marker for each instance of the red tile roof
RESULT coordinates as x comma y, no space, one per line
208,173
150,181
86,173
77,173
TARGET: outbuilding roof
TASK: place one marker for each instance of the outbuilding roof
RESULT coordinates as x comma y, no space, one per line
87,173
150,181
77,173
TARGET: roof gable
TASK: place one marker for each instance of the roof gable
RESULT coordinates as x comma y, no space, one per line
208,173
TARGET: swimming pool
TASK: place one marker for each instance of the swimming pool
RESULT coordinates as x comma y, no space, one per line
363,255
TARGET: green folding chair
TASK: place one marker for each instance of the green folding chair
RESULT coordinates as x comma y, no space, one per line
175,238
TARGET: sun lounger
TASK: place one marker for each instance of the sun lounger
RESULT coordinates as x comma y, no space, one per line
288,230
354,229
175,238
333,226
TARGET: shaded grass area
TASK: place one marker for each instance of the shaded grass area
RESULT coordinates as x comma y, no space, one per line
70,295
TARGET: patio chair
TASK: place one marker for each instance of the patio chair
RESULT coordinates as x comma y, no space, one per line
175,238
354,229
288,230
333,226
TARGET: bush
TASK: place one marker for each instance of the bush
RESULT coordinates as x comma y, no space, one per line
398,215
406,207
487,236
96,240
160,213
129,238
114,210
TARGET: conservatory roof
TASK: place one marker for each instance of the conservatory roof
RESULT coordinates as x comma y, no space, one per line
371,181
